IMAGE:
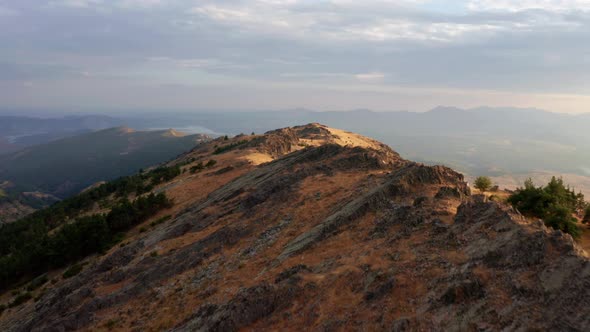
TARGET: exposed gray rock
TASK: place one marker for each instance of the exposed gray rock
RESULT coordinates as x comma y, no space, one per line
249,305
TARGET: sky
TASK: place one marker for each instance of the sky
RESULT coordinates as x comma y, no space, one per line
384,55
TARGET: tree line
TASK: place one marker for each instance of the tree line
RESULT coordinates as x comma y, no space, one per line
57,236
39,250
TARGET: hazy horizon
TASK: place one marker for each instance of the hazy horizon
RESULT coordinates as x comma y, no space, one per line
116,112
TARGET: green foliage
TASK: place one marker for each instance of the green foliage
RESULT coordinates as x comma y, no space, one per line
72,271
37,282
199,167
555,204
35,245
483,183
110,324
160,220
560,217
128,214
164,174
586,215
229,147
20,299
40,295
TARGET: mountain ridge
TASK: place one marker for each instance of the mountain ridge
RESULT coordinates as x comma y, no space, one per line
317,228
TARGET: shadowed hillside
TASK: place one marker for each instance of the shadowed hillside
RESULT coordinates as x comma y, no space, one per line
56,170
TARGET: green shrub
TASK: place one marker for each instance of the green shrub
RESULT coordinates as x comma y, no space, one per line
586,215
40,295
160,220
197,168
229,147
111,324
37,282
483,183
20,299
554,203
72,271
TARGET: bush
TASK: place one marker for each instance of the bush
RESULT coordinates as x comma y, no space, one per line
483,183
38,282
586,215
197,168
229,147
72,271
561,218
20,299
160,220
555,204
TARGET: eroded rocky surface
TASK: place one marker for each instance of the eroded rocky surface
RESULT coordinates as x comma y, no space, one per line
332,234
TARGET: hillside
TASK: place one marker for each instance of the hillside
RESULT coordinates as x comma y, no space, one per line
310,228
65,167
18,132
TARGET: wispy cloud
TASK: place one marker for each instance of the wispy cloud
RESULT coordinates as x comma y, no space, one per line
370,77
75,3
521,5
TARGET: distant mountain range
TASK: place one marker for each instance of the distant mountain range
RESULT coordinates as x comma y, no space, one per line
17,132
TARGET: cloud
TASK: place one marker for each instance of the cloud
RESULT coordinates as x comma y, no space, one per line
339,20
513,47
522,5
7,12
110,4
140,3
370,77
32,71
76,3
